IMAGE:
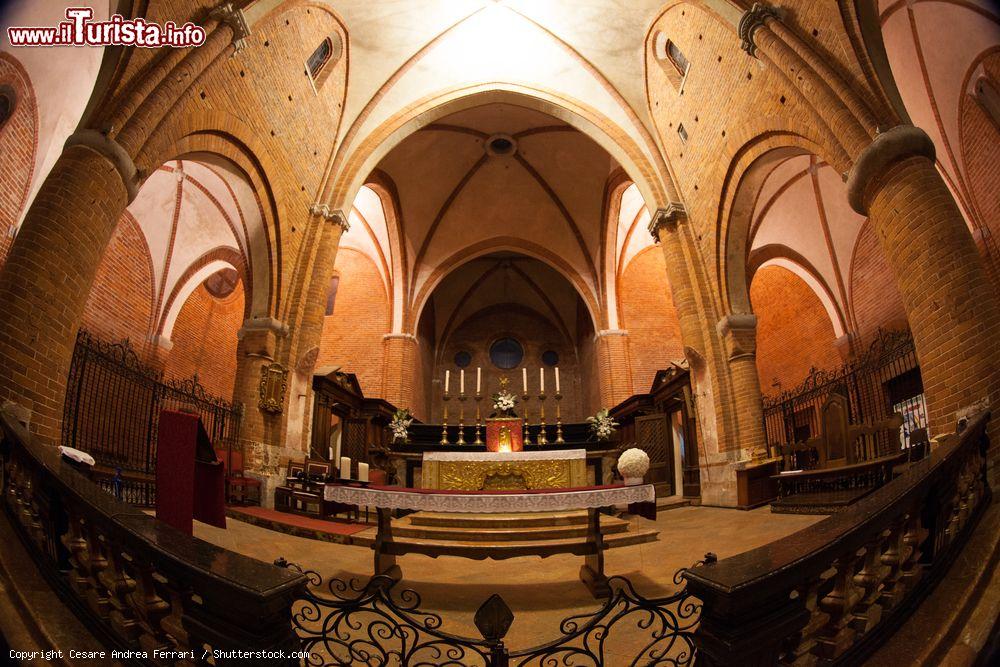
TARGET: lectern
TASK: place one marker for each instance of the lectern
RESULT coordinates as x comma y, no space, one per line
190,481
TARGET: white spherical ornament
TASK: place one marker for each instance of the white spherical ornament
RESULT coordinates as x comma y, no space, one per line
633,465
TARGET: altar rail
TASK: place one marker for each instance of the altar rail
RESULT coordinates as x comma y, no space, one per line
134,581
836,590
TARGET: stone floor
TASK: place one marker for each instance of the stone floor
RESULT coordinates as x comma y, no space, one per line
541,592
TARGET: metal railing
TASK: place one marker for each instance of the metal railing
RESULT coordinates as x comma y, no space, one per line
346,623
112,408
884,379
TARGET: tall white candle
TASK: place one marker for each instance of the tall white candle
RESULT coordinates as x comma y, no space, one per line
447,380
541,380
461,381
345,467
362,472
557,379
524,379
329,453
479,379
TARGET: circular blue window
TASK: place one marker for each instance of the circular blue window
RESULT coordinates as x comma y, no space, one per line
463,359
506,353
550,358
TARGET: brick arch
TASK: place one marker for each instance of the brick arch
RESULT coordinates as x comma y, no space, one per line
794,332
741,190
771,255
191,279
121,302
497,244
257,165
382,184
18,145
610,270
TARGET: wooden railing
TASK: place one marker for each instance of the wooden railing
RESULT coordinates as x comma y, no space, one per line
136,582
831,593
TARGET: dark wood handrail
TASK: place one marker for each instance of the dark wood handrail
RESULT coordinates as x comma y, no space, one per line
768,603
135,581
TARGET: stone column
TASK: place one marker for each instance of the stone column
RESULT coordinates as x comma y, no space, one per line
614,365
261,431
309,331
47,277
739,337
950,304
399,374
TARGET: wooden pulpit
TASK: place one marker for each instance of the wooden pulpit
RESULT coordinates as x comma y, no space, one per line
190,481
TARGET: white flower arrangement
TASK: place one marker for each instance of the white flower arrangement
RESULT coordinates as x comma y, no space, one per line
504,402
400,424
633,464
602,425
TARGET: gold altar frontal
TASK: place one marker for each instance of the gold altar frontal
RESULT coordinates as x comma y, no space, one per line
486,471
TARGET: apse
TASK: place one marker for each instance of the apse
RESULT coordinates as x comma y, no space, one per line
511,316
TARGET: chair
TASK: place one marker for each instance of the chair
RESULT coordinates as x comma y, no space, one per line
294,480
238,485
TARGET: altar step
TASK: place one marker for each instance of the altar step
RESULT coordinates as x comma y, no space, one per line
481,536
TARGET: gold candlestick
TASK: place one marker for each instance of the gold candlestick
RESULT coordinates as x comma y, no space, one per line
444,420
479,420
559,435
524,400
542,439
461,419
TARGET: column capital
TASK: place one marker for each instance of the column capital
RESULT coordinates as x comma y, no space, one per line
266,324
668,217
738,332
114,153
401,336
335,216
886,148
235,19
752,19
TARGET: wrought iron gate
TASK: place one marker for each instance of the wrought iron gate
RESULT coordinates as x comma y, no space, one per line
112,409
883,379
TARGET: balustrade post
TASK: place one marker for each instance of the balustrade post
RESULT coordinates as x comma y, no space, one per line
838,635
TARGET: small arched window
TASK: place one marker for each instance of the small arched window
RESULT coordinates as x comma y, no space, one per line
673,61
331,295
320,62
7,103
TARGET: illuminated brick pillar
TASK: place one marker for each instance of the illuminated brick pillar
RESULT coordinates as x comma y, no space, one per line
950,303
739,335
399,374
614,366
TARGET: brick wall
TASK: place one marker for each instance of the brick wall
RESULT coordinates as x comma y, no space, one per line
875,299
649,316
536,335
120,304
352,335
794,332
18,142
204,339
980,137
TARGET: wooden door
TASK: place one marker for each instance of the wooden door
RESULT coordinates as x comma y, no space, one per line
652,434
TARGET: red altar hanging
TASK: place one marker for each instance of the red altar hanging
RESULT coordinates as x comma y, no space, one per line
505,434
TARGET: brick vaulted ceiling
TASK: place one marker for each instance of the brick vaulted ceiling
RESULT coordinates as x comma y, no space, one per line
460,199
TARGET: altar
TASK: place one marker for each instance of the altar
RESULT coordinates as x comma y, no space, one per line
473,471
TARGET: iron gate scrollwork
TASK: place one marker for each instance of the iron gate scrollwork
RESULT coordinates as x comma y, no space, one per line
347,623
112,409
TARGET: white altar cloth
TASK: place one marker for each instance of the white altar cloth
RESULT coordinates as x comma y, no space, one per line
489,502
545,455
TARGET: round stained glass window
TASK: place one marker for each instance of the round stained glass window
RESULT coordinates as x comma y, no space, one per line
506,353
550,358
463,359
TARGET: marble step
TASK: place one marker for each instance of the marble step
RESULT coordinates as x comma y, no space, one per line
500,550
471,533
500,520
